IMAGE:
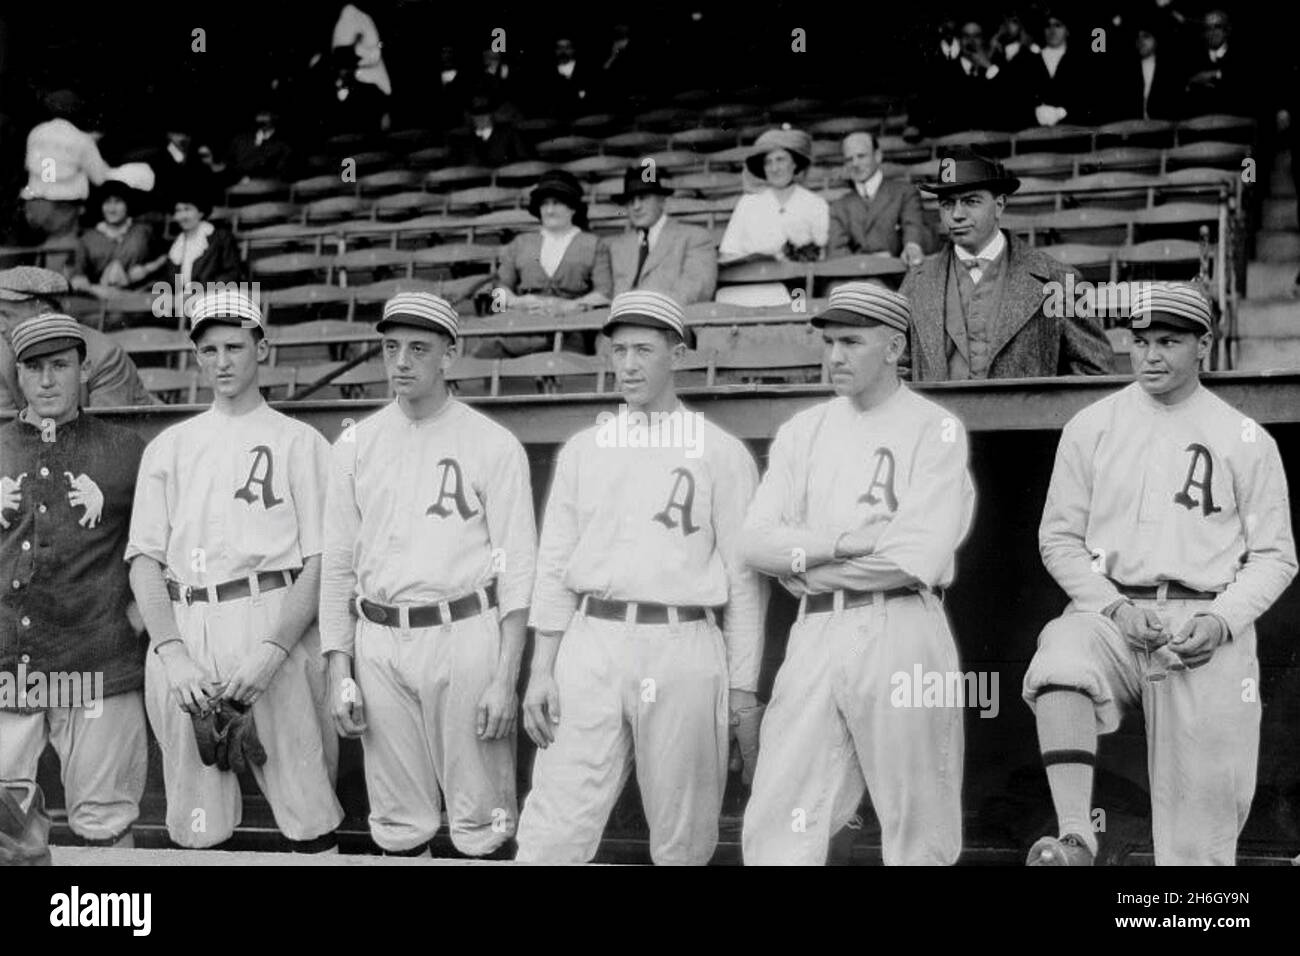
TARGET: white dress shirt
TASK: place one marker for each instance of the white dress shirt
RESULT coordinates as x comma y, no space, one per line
868,188
992,249
1148,78
1052,58
553,248
654,231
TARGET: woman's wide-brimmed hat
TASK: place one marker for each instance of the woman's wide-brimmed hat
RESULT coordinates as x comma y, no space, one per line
564,186
196,188
962,169
796,142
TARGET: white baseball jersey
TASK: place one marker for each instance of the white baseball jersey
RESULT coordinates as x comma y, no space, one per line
224,496
1143,493
420,512
833,467
655,525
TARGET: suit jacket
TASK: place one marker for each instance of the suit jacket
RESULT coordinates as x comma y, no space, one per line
886,224
682,263
1229,93
1024,341
113,378
1166,96
955,101
503,147
1073,87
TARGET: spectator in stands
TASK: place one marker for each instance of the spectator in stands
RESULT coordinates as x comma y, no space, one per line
1060,85
355,107
117,246
1148,87
660,253
949,41
494,83
174,160
203,252
1219,80
261,152
550,271
968,92
1011,42
878,215
111,378
454,90
490,141
782,221
622,70
980,309
566,90
63,162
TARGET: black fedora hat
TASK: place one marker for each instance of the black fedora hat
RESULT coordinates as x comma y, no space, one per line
962,168
635,184
562,185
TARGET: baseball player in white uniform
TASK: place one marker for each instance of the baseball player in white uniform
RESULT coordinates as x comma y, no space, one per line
1168,527
224,549
864,503
429,549
639,558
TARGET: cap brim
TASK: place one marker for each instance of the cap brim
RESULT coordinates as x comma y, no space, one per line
1166,320
233,321
413,322
996,186
9,295
51,346
648,322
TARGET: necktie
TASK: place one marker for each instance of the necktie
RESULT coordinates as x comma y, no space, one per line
642,251
976,267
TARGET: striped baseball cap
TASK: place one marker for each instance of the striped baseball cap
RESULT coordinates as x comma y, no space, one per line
651,309
1180,305
226,306
423,310
46,334
865,303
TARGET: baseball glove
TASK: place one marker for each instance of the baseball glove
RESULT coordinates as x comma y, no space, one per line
24,825
238,746
744,734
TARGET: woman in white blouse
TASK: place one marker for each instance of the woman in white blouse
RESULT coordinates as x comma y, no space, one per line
781,221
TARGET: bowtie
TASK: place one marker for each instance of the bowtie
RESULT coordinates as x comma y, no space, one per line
973,264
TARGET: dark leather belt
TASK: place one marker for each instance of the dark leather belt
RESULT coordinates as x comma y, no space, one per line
1175,591
427,615
645,613
821,603
231,590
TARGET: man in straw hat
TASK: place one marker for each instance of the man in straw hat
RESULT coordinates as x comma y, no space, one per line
635,663
865,501
66,485
1167,525
429,551
660,254
225,550
978,304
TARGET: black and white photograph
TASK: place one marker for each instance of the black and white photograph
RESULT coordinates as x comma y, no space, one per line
639,435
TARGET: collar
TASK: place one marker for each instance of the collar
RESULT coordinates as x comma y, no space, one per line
871,185
447,76
1219,54
176,154
484,132
104,229
28,417
566,69
992,249
950,48
1011,49
1054,52
657,228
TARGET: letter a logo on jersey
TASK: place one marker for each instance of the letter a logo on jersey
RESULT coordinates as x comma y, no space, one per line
264,479
885,468
682,506
1199,453
453,487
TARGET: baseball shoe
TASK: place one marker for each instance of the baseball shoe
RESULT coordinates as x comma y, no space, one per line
1069,850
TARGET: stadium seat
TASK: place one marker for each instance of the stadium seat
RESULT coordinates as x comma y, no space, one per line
122,307
767,362
413,138
407,204
276,383
428,157
333,335
634,143
595,167
838,127
388,181
1178,259
372,160
334,209
564,148
551,373
474,376
1113,190
703,139
731,115
282,236
1158,134
380,292
1213,153
502,221
797,109
706,185
745,273
446,228
279,304
594,124
898,150
379,263
458,254
1099,225
261,214
1137,159
1053,139
255,190
457,177
1177,220
1041,165
733,158
857,267
1096,263
367,380
171,386
481,199
992,142
517,175
171,344
316,187
669,118
18,255
279,270
1233,129
673,162
537,127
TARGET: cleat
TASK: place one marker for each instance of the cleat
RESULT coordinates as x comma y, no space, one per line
1069,850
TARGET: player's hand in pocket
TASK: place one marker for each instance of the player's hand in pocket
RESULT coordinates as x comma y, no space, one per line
1197,640
187,681
255,673
497,709
1143,629
541,709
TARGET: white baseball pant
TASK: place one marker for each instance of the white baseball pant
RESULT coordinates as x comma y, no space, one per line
1202,724
655,694
832,729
